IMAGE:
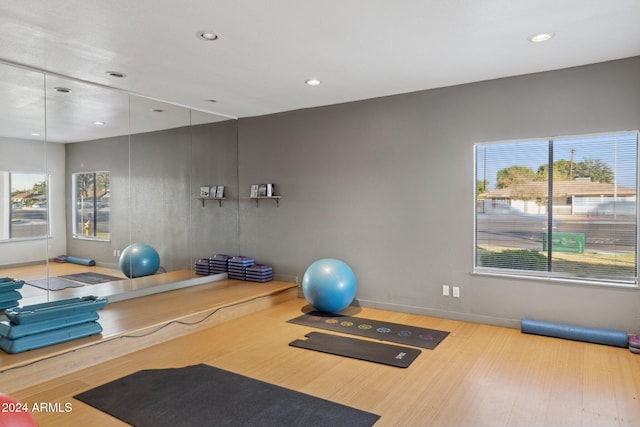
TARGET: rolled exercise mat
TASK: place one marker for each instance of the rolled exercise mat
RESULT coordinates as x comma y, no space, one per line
576,333
81,261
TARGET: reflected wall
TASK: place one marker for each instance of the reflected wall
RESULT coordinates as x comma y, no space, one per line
149,160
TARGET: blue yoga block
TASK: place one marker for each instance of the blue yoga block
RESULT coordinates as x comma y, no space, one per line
45,339
13,331
55,309
576,333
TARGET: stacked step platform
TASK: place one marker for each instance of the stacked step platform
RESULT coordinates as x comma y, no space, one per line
9,295
41,325
259,273
218,264
236,267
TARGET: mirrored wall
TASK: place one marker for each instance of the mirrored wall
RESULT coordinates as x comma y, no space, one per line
87,171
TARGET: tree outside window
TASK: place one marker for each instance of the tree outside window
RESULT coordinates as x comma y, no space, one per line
576,220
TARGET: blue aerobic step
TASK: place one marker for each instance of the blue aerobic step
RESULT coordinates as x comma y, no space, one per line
10,284
13,331
54,309
6,296
31,342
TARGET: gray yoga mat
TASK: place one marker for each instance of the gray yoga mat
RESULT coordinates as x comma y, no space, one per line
384,331
202,395
91,278
371,351
53,284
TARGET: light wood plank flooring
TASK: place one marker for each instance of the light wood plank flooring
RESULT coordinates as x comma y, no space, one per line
478,376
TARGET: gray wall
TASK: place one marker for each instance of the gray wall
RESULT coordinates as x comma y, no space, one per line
156,203
387,186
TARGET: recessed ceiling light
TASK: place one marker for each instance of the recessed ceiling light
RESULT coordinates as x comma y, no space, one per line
35,134
540,37
207,35
116,74
99,123
62,89
313,82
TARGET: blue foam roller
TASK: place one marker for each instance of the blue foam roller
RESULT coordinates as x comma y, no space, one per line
81,261
576,333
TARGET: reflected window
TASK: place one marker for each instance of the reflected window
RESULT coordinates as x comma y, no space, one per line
576,219
91,205
24,209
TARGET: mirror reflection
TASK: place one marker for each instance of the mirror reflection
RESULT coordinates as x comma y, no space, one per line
90,175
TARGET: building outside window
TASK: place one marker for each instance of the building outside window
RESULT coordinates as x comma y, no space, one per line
576,220
24,205
91,205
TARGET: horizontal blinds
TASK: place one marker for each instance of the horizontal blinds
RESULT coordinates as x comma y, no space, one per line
576,219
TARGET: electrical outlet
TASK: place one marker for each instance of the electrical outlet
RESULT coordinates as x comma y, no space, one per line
456,292
445,290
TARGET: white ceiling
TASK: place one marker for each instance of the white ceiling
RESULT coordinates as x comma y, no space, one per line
266,50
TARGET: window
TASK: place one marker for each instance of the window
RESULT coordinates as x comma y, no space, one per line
90,194
576,220
24,205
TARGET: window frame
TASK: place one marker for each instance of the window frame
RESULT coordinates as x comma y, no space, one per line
80,234
9,206
548,275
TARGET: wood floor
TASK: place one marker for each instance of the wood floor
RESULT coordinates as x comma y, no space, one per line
478,376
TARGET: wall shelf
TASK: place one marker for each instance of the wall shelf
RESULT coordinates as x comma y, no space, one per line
257,199
219,199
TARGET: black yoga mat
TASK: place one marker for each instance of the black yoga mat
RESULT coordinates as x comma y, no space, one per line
385,331
370,351
91,278
202,395
53,284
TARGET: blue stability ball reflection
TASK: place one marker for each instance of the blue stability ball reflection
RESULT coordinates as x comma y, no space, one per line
139,259
329,285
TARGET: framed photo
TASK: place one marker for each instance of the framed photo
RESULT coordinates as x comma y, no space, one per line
204,191
220,191
254,190
262,190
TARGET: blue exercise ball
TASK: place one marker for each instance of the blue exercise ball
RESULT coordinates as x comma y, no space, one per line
139,259
329,285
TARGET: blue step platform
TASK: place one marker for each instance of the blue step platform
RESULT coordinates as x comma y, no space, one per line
55,309
31,342
9,295
14,331
41,325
